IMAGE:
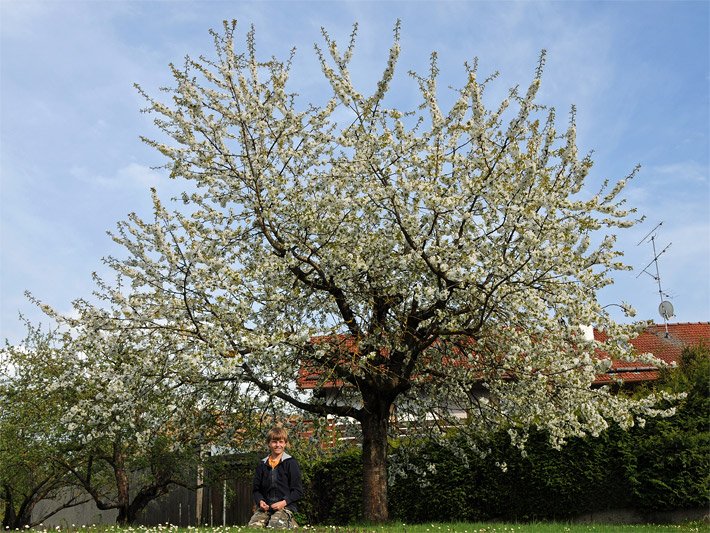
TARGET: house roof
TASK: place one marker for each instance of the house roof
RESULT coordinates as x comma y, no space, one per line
666,342
310,378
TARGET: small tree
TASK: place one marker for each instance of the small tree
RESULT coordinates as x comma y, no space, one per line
117,422
33,450
140,420
434,253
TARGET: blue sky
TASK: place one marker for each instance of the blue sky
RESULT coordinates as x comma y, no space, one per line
72,164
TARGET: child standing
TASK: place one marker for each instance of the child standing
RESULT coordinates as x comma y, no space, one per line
277,485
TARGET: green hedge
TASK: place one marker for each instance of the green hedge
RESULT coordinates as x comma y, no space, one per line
664,466
673,454
587,475
333,488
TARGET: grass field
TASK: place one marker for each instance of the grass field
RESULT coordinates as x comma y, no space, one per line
510,528
537,527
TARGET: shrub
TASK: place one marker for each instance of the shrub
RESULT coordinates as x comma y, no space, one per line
673,465
333,489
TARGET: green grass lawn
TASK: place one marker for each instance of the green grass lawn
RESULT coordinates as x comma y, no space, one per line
482,527
541,527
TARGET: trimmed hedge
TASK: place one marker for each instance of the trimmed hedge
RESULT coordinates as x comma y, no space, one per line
664,466
673,454
333,488
586,475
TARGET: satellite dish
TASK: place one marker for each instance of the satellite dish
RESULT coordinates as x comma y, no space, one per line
665,309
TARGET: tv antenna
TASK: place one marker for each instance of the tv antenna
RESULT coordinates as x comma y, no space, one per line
665,308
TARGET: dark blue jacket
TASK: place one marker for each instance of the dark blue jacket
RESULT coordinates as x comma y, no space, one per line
280,483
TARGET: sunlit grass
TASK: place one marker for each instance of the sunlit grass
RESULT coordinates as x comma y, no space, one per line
481,527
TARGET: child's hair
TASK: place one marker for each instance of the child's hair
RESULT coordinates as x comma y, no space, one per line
277,433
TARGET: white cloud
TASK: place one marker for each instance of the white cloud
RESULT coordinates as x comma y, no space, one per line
131,176
683,171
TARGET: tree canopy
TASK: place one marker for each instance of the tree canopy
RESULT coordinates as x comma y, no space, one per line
31,433
91,415
443,257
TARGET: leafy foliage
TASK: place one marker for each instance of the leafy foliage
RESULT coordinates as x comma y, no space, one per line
673,455
588,475
91,412
332,486
661,466
32,442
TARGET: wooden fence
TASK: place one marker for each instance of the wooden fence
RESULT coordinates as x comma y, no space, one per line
225,499
223,503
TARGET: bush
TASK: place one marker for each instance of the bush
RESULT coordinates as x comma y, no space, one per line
434,484
544,484
333,488
673,466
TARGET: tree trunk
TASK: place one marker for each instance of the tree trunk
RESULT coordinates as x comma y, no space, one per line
375,423
21,519
9,518
122,485
143,498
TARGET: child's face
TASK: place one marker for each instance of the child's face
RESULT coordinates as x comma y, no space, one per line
277,446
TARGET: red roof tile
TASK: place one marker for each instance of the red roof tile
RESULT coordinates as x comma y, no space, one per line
666,342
